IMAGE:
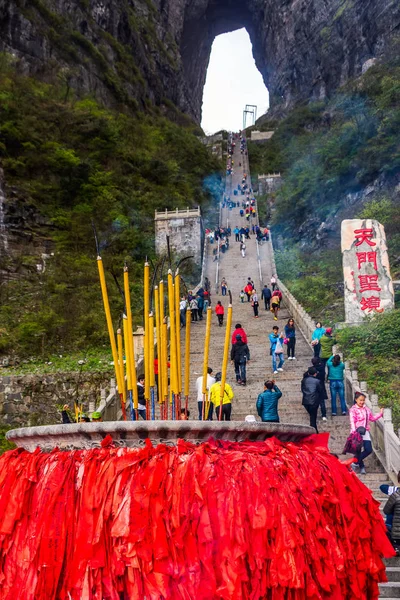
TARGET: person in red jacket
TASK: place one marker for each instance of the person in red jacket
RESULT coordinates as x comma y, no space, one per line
239,331
219,311
278,293
248,290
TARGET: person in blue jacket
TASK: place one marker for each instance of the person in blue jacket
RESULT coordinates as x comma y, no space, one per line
316,336
267,403
335,377
290,334
273,340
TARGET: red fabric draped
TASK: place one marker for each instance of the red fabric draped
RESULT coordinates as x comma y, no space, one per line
217,521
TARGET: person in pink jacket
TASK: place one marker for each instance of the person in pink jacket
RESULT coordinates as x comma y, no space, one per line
361,416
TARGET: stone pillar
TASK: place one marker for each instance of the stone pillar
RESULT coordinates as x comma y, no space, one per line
368,286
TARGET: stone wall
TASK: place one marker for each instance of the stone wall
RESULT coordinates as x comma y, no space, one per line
185,231
29,400
268,184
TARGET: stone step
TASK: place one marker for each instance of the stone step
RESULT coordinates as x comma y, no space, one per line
394,561
393,573
391,589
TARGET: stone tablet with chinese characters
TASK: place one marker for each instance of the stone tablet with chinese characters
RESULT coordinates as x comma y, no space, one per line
368,287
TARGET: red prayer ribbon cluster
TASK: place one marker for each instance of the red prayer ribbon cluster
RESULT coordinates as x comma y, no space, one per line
220,520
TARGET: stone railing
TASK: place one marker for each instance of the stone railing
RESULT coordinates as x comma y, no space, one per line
269,175
386,442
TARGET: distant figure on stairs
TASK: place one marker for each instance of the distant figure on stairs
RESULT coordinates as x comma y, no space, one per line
327,342
313,393
266,296
215,397
224,286
275,306
239,331
361,416
254,303
315,338
199,390
336,383
248,290
243,249
290,335
219,311
273,282
200,306
276,350
320,367
194,308
267,403
182,311
240,355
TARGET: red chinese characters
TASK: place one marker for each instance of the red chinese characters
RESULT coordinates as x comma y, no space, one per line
368,282
364,235
367,257
371,303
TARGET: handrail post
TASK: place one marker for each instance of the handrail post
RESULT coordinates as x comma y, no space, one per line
387,429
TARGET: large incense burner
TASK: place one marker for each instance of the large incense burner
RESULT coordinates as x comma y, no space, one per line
133,434
166,510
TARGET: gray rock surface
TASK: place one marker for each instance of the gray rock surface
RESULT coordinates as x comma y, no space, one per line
136,51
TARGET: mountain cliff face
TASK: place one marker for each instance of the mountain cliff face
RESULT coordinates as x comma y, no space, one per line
139,51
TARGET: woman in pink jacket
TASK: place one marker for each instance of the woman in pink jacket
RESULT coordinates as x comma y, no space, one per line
360,416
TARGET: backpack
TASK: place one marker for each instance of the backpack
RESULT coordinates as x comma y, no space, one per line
353,443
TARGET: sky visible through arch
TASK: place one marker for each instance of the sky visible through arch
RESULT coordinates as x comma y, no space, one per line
233,81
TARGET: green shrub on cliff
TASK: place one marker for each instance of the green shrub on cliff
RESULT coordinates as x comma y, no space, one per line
327,151
73,161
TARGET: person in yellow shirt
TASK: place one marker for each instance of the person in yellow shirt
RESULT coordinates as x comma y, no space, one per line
215,398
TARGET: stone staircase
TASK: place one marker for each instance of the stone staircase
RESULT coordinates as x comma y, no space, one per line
236,270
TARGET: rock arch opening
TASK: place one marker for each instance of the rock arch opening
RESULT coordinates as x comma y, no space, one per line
203,23
232,81
302,51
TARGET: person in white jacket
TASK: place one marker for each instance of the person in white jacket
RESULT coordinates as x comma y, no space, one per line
199,390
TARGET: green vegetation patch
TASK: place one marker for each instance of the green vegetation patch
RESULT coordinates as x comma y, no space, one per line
73,162
325,152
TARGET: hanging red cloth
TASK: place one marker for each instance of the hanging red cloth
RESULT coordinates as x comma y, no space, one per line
216,521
